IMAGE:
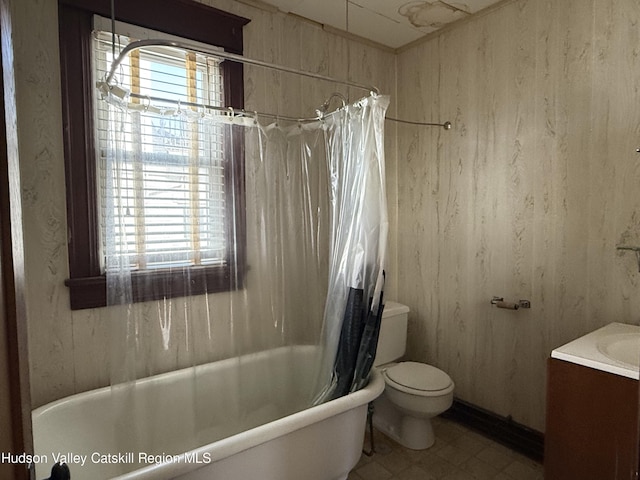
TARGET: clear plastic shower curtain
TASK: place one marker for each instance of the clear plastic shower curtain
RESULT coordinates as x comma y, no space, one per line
297,321
359,227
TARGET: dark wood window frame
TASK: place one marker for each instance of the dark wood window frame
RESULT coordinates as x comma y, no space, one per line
184,18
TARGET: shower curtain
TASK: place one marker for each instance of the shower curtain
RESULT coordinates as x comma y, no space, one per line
304,235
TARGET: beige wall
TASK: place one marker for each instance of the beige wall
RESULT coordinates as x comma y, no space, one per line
68,351
526,198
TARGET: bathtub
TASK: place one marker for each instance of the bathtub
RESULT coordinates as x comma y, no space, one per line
278,439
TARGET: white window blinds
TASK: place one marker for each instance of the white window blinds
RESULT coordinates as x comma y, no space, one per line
173,176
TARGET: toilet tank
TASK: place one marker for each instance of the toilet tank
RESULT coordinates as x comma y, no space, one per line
392,342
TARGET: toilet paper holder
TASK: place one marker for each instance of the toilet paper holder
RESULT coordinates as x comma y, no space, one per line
500,303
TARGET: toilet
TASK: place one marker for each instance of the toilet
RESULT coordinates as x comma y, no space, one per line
414,392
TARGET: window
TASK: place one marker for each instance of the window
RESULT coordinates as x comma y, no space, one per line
174,183
163,188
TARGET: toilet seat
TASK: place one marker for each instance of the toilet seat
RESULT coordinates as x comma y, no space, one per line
418,379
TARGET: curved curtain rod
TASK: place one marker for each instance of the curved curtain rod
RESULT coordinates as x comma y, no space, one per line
105,88
227,56
239,58
446,125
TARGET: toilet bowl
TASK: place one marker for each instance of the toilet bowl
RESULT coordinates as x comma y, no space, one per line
418,392
414,392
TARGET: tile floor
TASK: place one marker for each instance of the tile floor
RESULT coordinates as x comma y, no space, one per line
458,454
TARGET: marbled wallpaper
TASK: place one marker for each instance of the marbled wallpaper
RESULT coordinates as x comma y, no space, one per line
526,197
68,350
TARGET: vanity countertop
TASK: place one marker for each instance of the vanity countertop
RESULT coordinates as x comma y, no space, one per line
614,348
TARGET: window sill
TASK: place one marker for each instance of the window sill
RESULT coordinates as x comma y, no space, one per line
91,292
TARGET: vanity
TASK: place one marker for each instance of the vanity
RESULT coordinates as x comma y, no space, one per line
592,420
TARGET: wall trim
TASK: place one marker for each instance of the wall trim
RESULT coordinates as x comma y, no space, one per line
504,430
14,353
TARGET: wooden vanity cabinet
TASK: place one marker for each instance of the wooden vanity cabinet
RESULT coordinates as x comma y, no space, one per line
591,425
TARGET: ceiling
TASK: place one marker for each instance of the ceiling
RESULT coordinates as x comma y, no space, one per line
393,23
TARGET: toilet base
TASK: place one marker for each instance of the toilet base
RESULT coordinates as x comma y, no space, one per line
417,433
411,432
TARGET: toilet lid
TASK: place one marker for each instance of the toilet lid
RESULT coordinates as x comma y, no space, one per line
419,376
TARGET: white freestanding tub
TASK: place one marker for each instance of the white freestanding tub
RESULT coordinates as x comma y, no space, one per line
93,433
